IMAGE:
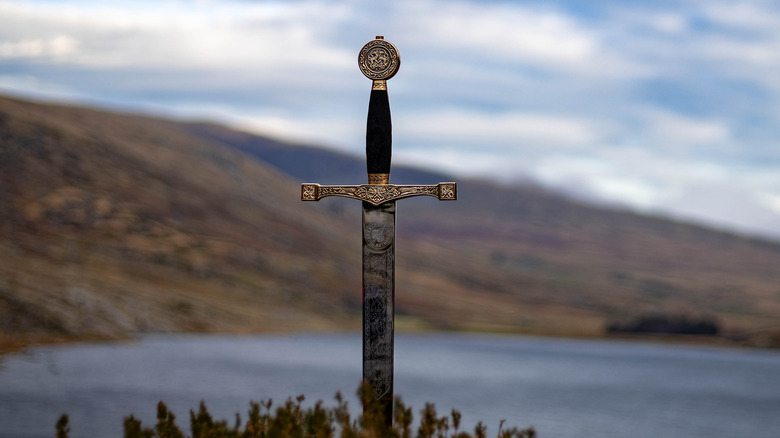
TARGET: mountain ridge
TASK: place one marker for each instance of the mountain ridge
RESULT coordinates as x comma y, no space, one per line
308,163
116,224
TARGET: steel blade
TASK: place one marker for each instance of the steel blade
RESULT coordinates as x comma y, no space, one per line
379,298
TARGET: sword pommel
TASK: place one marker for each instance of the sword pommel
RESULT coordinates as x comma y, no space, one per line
379,61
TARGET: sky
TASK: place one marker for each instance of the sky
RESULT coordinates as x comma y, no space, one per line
663,107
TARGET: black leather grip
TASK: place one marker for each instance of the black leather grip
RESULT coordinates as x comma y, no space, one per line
379,133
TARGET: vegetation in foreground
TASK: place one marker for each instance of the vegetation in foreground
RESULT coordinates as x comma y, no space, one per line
294,421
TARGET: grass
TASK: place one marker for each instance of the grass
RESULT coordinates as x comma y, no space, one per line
292,420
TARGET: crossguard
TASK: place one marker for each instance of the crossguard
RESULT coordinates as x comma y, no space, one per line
377,194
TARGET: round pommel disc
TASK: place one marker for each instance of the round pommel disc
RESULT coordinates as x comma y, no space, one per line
379,60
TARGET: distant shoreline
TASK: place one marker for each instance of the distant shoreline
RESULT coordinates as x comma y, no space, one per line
9,345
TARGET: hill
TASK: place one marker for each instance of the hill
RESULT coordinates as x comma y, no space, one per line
555,255
115,224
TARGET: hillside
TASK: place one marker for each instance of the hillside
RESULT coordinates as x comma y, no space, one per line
115,224
551,256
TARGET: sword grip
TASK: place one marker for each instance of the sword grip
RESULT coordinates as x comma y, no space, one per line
379,133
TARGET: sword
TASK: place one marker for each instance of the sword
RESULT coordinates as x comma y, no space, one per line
379,61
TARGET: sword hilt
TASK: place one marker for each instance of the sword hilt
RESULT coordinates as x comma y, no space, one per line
379,61
379,138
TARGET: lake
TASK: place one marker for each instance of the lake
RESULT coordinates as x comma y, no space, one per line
563,388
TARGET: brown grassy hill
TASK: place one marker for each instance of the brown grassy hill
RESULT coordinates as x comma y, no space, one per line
113,224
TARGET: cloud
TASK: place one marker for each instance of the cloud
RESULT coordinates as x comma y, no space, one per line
630,177
676,133
771,201
506,128
56,47
758,16
727,205
653,104
175,36
460,162
505,31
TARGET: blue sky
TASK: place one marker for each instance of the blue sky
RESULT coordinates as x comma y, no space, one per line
668,107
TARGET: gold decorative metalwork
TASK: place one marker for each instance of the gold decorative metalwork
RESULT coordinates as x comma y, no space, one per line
447,191
379,194
379,60
379,178
309,192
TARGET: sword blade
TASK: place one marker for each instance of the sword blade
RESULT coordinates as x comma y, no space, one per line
379,299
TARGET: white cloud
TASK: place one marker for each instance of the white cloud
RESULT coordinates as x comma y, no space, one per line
749,16
612,177
655,105
56,47
771,201
668,128
669,23
524,35
506,31
219,35
332,132
632,176
753,53
727,204
508,128
462,162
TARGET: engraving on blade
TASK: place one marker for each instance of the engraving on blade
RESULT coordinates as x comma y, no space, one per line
378,236
378,298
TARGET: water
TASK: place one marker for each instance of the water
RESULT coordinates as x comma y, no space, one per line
563,388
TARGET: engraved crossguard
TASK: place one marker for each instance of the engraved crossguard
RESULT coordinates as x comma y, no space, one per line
376,194
379,61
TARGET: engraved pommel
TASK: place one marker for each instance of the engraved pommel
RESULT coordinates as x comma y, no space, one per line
379,61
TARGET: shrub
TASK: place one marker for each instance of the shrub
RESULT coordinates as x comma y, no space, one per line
291,420
656,322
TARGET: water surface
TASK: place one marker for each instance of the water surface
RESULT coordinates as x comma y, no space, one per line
563,388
